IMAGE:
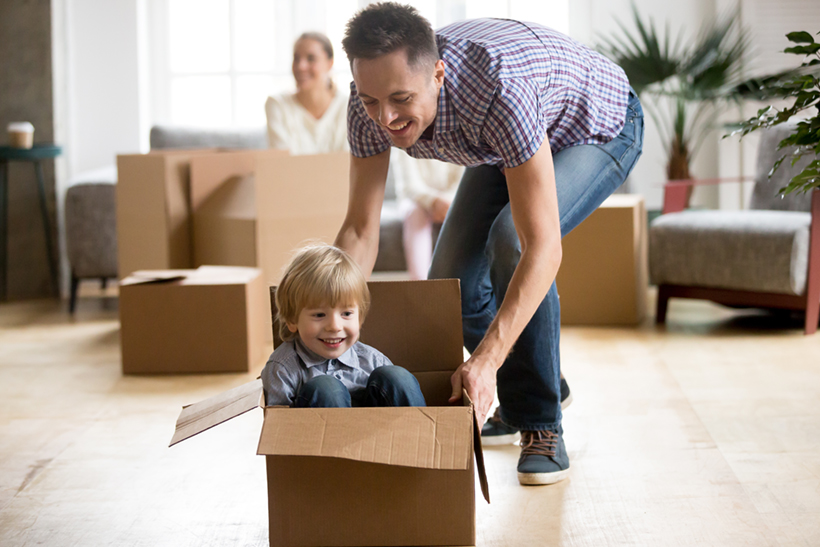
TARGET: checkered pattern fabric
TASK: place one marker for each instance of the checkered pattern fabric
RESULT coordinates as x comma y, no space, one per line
509,85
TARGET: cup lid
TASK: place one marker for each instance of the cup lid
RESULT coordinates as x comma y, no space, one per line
26,127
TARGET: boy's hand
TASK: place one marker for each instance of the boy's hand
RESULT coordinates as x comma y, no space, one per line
477,378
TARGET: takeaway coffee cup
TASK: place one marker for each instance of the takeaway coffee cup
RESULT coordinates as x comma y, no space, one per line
21,135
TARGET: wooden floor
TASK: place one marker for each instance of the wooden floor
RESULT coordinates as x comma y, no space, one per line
704,433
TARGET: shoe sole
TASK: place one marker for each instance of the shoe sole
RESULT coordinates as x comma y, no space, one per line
540,479
501,440
566,402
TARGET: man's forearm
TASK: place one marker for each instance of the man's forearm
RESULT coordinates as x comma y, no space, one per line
359,234
362,245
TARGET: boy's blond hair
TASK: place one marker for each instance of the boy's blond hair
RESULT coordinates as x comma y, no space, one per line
319,275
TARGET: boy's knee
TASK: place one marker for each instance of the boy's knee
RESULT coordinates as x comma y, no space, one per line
393,375
394,386
323,391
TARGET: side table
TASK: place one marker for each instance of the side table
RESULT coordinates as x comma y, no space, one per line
35,156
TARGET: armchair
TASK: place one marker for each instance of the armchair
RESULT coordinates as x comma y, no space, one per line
767,256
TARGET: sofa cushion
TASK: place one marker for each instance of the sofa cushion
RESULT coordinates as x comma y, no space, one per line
764,251
191,137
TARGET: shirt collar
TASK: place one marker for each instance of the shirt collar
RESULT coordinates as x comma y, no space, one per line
445,121
312,359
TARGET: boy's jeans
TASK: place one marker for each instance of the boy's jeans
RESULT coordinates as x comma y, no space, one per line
478,244
387,386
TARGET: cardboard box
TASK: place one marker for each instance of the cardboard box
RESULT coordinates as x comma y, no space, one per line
372,476
181,321
256,208
603,277
153,210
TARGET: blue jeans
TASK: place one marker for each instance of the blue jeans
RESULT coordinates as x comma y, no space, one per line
387,386
478,244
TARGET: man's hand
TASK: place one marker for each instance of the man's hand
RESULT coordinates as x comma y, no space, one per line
477,377
438,210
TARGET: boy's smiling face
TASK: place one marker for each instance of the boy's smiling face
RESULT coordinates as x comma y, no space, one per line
327,330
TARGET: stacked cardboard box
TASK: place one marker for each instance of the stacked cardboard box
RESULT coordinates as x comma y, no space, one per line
181,321
372,476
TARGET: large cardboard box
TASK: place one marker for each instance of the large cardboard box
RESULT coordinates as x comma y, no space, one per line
256,208
211,319
372,476
603,277
153,210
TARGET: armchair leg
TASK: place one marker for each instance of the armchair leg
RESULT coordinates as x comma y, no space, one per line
813,282
72,299
812,309
663,303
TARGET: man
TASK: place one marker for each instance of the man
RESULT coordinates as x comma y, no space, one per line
548,129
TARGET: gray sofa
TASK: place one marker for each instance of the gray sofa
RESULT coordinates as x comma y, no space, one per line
391,249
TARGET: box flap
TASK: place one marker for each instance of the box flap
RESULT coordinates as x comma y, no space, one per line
477,448
222,275
198,417
417,324
156,276
234,198
204,275
430,438
479,460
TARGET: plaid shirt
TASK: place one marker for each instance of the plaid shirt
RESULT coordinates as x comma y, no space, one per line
507,86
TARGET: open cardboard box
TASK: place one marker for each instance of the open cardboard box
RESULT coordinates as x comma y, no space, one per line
255,208
372,476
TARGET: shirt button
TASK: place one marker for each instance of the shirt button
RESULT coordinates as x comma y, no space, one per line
339,376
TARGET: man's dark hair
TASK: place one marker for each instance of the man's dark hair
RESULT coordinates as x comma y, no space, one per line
380,29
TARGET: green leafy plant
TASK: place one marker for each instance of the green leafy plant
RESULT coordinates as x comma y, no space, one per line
803,85
682,88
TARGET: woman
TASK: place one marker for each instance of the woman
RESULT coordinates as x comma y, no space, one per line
314,119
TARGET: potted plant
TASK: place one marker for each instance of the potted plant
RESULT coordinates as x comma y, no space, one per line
681,87
803,85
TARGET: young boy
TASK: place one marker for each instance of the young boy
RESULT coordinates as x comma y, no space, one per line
322,302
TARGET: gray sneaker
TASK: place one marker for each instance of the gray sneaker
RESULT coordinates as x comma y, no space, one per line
497,433
544,458
494,432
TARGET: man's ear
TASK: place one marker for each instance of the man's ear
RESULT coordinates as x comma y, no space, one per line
438,74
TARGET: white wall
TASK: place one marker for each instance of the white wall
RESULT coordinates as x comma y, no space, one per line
103,87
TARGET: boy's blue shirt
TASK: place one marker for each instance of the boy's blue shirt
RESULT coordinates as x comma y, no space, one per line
292,364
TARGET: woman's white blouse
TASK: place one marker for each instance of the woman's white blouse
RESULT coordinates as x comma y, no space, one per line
292,127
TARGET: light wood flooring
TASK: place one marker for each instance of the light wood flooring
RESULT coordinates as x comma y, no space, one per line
703,433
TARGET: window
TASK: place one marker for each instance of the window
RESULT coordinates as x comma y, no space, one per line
214,62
